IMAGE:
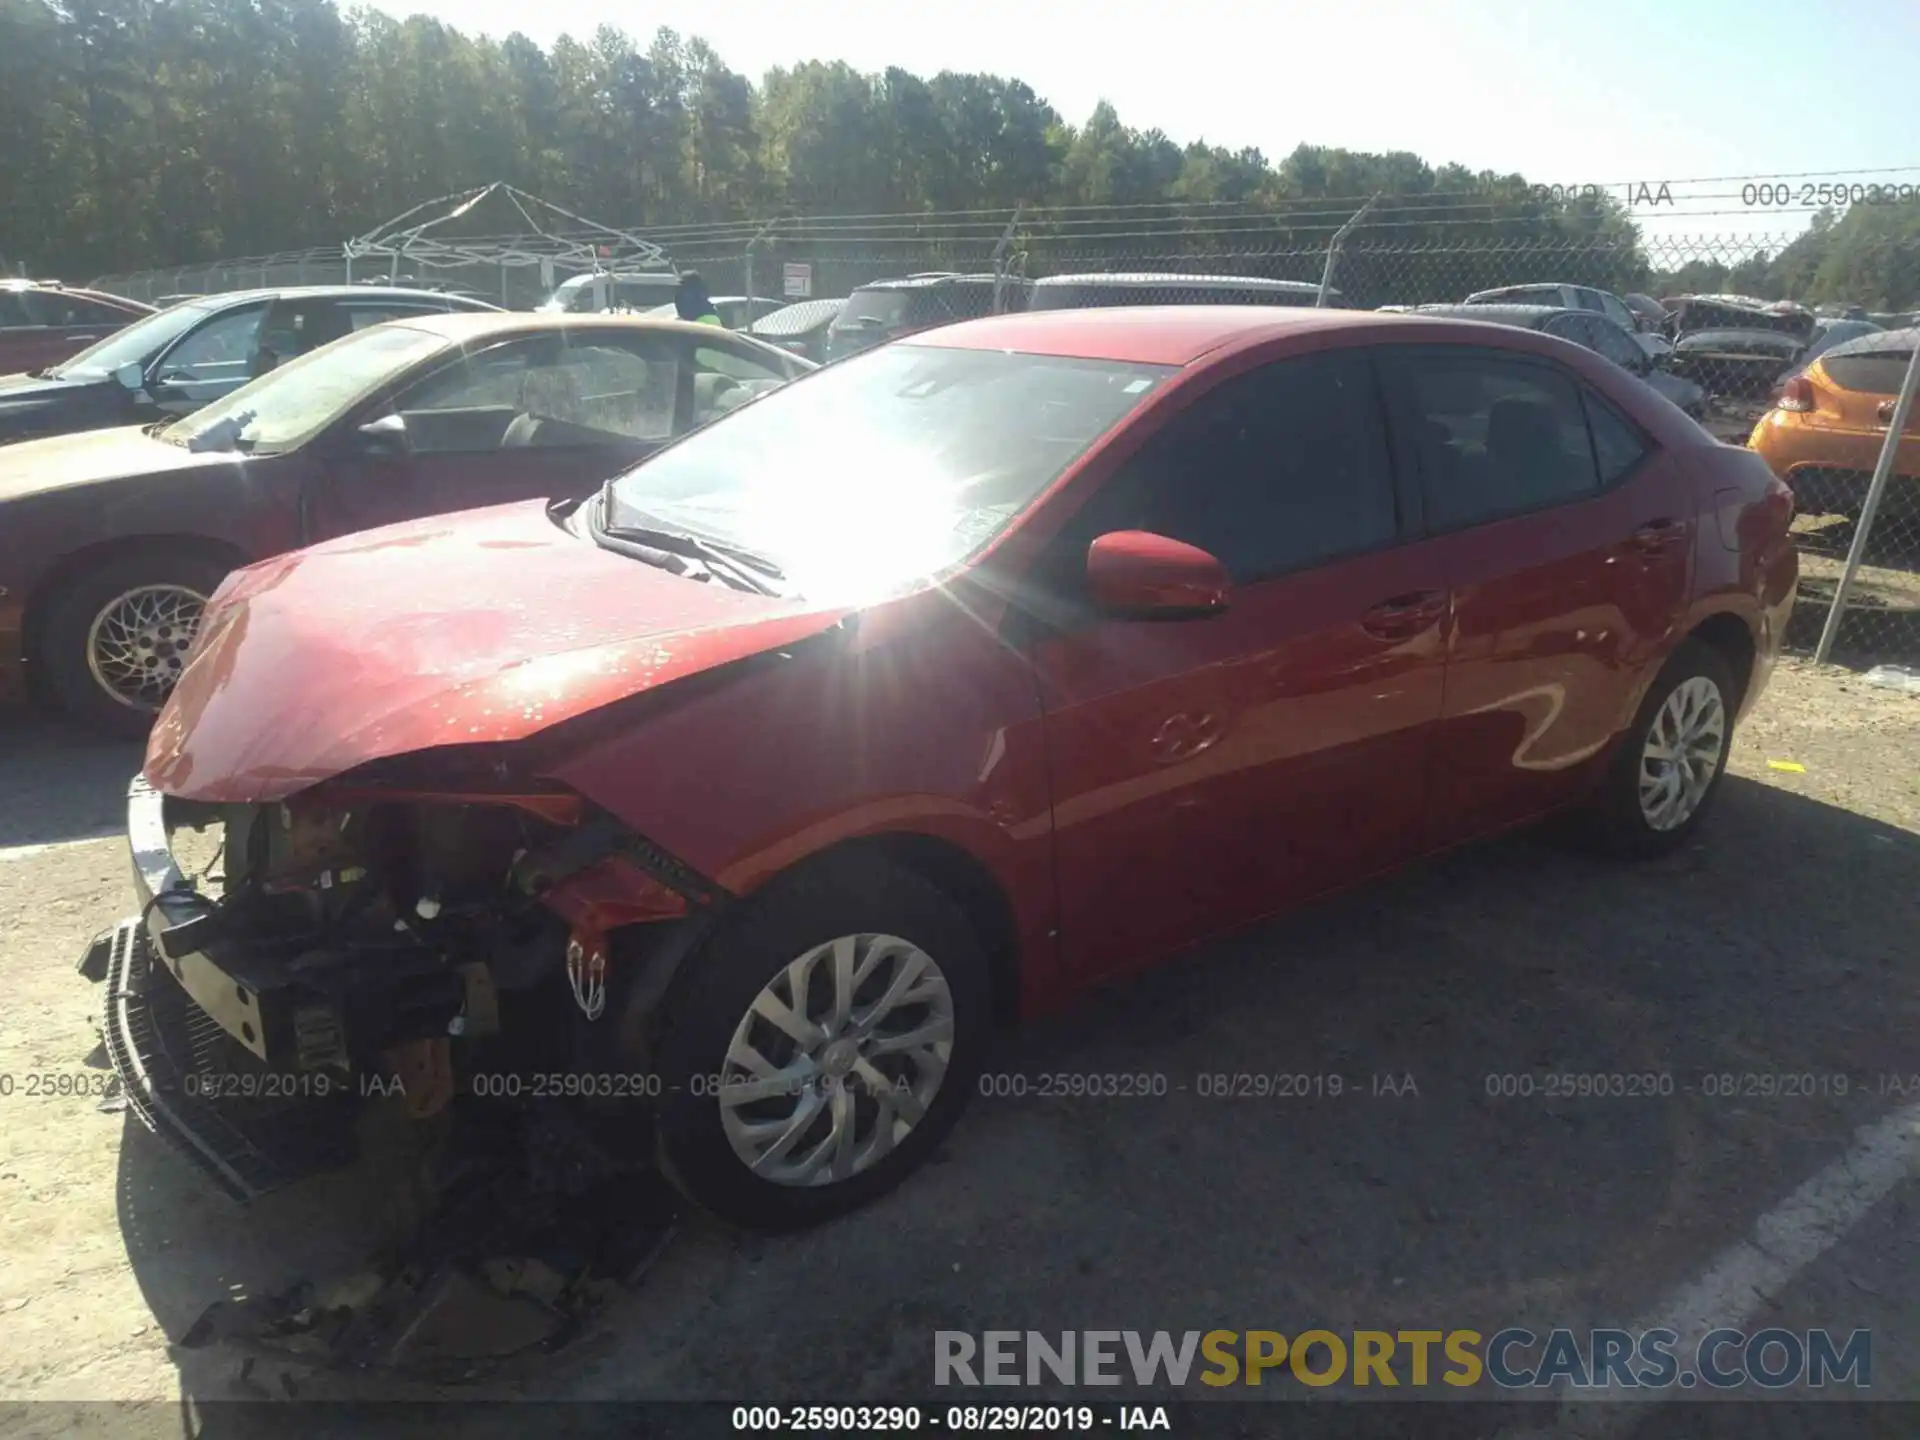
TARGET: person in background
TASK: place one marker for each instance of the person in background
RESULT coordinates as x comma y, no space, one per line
692,301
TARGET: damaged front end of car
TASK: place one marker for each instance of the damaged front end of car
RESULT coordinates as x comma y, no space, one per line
437,935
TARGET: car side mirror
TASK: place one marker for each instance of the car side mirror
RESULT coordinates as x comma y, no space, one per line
1137,575
131,377
385,436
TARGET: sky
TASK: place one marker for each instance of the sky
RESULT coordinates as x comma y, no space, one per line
1629,91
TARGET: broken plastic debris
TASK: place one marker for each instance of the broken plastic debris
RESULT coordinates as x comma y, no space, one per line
1895,677
1792,767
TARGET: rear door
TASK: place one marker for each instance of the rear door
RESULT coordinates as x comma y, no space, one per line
1206,772
1566,541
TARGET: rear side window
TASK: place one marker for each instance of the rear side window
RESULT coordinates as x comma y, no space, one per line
1276,470
1617,445
1499,437
13,313
1871,374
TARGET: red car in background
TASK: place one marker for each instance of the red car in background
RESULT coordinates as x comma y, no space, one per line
936,687
43,322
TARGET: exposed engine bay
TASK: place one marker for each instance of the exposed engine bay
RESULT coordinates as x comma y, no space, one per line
484,965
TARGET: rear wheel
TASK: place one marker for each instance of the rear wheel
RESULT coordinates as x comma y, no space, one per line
1671,761
116,637
826,1041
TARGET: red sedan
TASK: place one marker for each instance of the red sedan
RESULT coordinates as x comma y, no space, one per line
929,690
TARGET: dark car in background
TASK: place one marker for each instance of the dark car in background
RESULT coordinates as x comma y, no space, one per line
1739,364
1687,314
1593,331
176,360
800,328
43,322
1562,297
887,309
111,541
1091,291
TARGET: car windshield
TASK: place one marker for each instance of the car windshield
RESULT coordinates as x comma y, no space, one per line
884,470
137,344
286,407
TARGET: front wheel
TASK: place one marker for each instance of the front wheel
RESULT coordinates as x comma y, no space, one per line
825,1042
1671,760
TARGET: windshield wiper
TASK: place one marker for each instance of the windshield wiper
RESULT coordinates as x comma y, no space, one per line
755,572
224,435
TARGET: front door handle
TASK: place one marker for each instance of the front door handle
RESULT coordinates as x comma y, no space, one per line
1404,615
1658,535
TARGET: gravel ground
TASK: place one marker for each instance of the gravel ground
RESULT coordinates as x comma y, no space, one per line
1783,941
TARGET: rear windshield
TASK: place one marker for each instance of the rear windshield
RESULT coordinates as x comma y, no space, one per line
1870,374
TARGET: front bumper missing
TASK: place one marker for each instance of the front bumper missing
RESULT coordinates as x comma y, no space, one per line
197,1090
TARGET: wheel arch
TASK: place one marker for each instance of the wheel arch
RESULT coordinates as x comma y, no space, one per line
1730,636
955,872
70,567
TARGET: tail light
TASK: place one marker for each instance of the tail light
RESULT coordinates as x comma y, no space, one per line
1796,394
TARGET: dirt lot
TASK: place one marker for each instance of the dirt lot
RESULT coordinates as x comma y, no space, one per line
1783,942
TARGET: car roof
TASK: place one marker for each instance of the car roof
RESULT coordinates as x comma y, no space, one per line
340,292
1142,278
929,282
1531,285
1182,334
472,325
1529,316
1726,334
792,319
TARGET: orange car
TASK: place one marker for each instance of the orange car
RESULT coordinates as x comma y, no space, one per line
1828,423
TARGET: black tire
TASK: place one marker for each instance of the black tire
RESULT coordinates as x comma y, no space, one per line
62,651
720,983
1614,821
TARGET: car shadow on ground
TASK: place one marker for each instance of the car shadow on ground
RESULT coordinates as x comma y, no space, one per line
1342,1118
57,784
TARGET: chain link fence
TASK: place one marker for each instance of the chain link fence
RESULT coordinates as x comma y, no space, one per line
1726,325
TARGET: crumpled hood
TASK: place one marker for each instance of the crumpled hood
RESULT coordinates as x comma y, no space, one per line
88,457
464,629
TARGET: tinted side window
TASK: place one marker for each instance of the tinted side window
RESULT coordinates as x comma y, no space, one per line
1276,470
13,311
1590,300
1500,436
1618,446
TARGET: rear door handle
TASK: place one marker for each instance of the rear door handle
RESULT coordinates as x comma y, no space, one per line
1658,535
1405,615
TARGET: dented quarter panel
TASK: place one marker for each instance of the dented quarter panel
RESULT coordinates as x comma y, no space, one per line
316,662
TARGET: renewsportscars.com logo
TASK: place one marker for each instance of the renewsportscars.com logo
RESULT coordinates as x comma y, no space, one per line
1511,1359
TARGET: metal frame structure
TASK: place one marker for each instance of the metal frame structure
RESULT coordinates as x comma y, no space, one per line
576,244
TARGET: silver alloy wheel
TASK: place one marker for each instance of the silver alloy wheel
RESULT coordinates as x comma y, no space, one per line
837,1059
137,645
1683,750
